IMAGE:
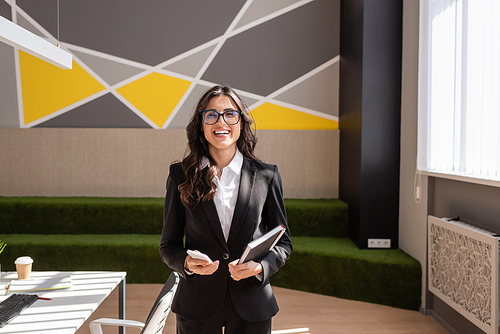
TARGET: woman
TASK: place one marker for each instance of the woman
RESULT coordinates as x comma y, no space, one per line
219,198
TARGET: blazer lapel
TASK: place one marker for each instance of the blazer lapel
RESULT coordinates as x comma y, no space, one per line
248,172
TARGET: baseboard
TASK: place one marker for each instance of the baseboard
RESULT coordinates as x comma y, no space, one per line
439,319
425,311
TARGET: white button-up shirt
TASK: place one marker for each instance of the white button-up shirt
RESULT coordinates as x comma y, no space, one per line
227,191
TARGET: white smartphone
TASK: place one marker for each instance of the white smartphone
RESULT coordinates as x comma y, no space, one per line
199,255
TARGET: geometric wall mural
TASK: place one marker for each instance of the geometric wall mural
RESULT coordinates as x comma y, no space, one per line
144,64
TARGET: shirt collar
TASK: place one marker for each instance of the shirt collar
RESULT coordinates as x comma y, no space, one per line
204,162
235,164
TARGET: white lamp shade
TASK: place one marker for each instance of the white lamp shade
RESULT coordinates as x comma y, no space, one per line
18,37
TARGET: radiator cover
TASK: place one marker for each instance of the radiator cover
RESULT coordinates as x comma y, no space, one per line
463,270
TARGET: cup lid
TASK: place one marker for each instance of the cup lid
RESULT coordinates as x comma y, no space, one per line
24,260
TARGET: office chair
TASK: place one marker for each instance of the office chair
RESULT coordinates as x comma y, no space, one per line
157,316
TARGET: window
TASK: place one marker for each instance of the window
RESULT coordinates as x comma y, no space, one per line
459,88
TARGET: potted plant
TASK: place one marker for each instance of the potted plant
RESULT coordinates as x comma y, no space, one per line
2,247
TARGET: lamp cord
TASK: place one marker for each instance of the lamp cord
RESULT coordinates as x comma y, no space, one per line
58,39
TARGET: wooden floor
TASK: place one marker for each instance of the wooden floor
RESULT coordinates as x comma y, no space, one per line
300,313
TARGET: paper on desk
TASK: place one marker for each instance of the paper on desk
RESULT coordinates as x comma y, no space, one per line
40,284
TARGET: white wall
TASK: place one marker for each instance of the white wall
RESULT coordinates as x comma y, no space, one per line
412,215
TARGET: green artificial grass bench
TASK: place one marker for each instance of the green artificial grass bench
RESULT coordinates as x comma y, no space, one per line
109,215
330,266
337,267
137,254
123,234
81,215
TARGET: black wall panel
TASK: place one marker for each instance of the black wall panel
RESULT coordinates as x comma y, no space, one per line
370,114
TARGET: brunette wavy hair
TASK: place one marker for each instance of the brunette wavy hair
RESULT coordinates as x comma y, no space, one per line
199,184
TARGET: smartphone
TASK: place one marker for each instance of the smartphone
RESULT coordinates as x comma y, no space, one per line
199,255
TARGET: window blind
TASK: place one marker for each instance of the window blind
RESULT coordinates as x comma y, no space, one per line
459,88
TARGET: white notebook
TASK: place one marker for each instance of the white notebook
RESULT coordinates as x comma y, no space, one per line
40,284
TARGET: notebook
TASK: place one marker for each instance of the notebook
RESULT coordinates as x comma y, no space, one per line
40,284
260,246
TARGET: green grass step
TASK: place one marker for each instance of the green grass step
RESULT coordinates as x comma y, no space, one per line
137,254
329,266
317,217
81,215
337,267
108,215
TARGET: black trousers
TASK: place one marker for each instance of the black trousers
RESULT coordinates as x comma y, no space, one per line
227,318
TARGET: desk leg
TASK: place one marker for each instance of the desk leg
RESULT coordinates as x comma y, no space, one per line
122,302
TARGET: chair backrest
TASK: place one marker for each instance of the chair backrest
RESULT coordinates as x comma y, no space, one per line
161,308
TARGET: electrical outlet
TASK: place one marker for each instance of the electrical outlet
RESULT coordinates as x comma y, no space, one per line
379,243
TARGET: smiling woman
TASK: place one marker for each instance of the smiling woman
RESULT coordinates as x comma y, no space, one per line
219,198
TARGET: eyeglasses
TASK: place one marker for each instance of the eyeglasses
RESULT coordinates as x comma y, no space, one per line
211,116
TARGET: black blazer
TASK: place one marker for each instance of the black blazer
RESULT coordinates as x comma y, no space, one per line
259,208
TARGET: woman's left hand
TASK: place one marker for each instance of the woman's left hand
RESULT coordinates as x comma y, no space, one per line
245,270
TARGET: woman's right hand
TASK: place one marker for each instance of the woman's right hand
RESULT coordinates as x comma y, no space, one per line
201,267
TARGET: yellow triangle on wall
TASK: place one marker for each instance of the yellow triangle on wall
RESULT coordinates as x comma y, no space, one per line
155,95
47,88
273,117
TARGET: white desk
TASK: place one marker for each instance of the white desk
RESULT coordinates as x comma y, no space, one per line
68,309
